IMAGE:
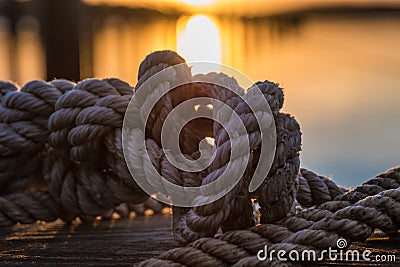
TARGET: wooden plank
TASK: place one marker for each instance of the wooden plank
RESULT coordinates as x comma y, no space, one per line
123,242
379,244
105,243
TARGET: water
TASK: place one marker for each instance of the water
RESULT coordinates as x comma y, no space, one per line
342,82
340,73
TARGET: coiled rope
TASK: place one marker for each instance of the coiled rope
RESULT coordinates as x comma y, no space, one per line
61,157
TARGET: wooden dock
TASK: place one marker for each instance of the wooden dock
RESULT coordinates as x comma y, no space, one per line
121,243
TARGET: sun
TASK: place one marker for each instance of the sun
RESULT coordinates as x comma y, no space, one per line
199,39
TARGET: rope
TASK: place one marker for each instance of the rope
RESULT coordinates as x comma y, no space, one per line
317,228
61,156
23,130
69,138
316,189
280,184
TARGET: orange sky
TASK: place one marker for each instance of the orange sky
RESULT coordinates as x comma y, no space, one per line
244,7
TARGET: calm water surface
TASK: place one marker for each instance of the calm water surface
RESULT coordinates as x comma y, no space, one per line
341,75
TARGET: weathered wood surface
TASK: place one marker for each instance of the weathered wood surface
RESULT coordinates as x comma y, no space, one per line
106,243
121,242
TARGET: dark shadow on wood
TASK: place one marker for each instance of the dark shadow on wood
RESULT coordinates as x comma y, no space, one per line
105,243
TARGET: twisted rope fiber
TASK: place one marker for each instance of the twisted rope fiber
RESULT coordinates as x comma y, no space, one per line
63,150
68,138
353,215
23,130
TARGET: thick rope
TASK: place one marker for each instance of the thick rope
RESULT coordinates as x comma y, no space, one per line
316,228
316,189
23,130
61,157
77,148
281,183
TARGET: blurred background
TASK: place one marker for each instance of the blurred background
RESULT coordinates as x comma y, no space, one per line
338,61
